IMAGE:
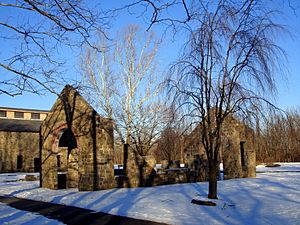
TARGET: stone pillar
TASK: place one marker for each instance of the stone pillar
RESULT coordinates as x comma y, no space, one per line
232,159
250,160
72,176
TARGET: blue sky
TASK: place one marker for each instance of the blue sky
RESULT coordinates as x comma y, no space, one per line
288,90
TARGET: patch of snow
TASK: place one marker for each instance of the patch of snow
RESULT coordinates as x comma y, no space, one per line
284,167
12,177
271,198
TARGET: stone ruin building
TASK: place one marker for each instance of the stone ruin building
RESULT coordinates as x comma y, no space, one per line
77,150
237,155
74,148
237,151
19,139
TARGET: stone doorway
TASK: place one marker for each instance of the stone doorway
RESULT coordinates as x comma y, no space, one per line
67,159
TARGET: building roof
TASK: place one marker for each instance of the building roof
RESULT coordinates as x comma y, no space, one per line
23,109
13,125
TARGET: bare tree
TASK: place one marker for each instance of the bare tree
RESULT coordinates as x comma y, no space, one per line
169,146
32,32
147,128
99,79
139,81
128,93
227,67
176,14
170,13
292,153
279,138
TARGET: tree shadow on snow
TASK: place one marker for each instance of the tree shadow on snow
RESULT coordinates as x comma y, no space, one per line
256,204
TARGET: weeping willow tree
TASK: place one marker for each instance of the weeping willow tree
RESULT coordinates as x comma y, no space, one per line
227,67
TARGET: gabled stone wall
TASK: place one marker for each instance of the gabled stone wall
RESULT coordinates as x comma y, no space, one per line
89,135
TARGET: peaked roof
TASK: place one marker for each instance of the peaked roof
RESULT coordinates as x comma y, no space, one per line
13,125
67,94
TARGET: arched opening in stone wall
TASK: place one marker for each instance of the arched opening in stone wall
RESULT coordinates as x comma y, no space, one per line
67,139
67,159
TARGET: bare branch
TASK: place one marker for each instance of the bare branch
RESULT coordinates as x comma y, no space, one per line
33,43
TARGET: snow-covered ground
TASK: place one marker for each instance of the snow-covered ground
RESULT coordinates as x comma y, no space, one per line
9,215
13,177
271,198
284,167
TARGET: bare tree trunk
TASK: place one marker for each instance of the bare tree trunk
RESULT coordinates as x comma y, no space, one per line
213,179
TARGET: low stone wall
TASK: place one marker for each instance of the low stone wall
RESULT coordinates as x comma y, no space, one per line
169,176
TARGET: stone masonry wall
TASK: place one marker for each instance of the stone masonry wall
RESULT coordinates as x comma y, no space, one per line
235,136
18,143
139,170
238,163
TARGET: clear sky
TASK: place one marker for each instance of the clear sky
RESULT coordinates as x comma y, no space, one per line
288,90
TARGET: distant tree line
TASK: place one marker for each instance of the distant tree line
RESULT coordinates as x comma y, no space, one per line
279,139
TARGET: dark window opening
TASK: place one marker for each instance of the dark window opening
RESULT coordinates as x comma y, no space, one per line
35,116
58,161
37,164
61,181
68,139
242,149
3,113
19,162
19,114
